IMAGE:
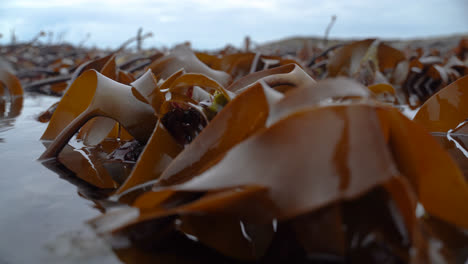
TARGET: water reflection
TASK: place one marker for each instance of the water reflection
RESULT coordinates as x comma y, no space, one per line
90,169
10,108
85,189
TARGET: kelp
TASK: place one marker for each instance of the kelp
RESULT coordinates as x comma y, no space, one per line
274,166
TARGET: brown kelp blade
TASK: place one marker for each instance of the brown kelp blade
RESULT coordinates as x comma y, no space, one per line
446,109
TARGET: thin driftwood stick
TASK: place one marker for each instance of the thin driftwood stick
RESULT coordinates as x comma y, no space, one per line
34,86
327,31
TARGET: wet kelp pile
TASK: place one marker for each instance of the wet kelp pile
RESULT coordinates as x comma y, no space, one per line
356,154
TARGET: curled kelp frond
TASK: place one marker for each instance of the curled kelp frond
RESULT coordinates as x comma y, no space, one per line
97,95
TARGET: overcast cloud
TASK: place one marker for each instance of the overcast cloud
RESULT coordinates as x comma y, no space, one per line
212,24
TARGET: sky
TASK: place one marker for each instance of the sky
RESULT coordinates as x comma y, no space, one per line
213,24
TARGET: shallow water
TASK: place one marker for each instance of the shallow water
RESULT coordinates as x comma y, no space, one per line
42,219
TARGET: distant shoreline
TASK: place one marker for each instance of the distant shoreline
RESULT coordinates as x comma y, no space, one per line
291,44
